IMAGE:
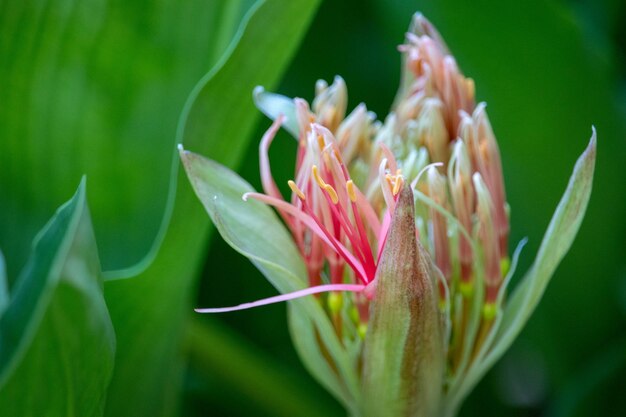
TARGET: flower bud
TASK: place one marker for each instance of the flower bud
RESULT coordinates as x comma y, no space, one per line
462,193
488,239
354,134
330,102
477,134
404,355
431,130
437,191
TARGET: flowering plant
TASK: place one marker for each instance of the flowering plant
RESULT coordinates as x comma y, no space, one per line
395,258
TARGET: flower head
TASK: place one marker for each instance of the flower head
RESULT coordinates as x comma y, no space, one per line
403,229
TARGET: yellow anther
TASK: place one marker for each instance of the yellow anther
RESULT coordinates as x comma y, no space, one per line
398,184
316,175
398,172
337,155
320,142
351,190
296,190
331,193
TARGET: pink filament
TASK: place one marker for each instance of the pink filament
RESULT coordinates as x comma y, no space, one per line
286,297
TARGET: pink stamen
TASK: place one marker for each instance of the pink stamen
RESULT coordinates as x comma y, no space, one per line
316,226
269,186
368,211
286,297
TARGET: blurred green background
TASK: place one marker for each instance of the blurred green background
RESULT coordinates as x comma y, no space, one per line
97,87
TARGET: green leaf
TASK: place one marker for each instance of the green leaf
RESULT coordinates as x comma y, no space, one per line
150,311
57,343
555,244
255,231
95,87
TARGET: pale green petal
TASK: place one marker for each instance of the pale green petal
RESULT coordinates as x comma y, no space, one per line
273,105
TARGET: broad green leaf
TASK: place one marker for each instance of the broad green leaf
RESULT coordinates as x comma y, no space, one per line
555,244
95,87
150,311
57,343
255,231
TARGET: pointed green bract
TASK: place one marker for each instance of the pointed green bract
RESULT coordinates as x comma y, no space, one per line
404,357
555,244
255,231
57,342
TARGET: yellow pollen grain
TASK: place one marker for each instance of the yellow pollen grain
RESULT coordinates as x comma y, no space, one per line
296,190
316,175
331,193
351,191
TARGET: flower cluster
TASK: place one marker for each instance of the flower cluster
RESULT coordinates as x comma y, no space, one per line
350,169
403,229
